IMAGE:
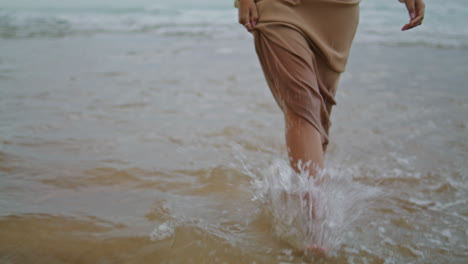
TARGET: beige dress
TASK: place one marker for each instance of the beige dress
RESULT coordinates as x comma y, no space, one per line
303,46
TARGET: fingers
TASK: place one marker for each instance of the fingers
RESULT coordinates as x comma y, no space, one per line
411,10
253,15
419,8
243,14
248,15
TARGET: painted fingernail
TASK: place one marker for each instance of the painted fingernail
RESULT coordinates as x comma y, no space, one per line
412,15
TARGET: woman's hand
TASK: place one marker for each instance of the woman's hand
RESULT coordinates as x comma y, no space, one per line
415,11
248,15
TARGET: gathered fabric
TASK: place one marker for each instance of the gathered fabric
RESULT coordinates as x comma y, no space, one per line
303,47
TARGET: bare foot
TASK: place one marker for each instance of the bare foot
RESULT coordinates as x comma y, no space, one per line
316,250
313,208
316,214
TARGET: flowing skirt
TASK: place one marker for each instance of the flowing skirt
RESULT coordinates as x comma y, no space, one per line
303,46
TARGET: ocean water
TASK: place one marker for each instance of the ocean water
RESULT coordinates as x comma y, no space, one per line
144,132
444,25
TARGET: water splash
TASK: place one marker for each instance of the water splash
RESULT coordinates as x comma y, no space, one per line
164,230
307,211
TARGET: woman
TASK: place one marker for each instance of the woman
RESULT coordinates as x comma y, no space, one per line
303,46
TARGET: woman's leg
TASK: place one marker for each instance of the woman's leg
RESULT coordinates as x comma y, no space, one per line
292,78
304,144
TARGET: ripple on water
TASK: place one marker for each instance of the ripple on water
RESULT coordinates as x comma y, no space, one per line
110,176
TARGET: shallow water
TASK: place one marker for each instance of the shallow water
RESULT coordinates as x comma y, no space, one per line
153,150
148,148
